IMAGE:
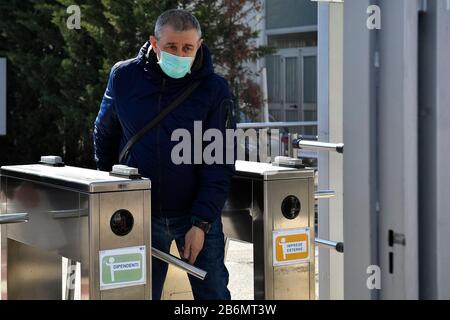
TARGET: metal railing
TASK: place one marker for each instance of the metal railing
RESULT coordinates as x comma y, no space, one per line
296,142
263,125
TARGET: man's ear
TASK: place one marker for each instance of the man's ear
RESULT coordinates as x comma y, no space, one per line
200,42
153,41
155,49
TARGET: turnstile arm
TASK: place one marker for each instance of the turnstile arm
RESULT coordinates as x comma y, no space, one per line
338,246
9,218
170,259
324,194
306,144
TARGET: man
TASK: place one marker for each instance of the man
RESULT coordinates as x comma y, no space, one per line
187,199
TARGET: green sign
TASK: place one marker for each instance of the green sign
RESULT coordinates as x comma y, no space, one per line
122,267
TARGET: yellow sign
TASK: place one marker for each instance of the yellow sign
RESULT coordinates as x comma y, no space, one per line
290,246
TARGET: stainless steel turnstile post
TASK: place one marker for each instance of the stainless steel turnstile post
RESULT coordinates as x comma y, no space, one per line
273,208
55,217
81,215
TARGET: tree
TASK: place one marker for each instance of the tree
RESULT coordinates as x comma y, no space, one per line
57,76
230,38
33,47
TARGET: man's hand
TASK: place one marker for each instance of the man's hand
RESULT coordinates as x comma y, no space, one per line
193,244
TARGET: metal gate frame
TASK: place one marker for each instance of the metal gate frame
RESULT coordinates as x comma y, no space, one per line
381,166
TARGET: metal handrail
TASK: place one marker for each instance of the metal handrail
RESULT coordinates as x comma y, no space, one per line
260,125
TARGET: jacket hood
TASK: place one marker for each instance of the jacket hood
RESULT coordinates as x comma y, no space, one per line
201,68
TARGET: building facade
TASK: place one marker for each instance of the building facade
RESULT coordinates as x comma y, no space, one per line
290,26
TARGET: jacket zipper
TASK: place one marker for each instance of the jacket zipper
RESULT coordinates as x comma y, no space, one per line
159,147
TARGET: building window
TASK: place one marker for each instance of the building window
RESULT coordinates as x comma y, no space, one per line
273,64
290,13
310,79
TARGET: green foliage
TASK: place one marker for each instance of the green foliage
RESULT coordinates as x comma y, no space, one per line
57,76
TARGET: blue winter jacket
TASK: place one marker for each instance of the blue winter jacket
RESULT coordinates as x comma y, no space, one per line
137,91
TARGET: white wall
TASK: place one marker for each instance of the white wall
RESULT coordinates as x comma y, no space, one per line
330,118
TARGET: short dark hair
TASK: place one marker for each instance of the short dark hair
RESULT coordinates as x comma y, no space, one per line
179,19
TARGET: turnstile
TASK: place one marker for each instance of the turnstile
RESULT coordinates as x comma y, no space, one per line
62,223
273,208
98,221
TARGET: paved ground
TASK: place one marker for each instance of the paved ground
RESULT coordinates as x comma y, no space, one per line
239,262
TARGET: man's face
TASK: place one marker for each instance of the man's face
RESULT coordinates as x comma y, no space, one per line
179,43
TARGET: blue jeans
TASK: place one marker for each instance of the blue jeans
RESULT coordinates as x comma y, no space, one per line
210,259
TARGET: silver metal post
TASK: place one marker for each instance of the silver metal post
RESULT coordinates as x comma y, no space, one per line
227,243
170,259
290,146
70,277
